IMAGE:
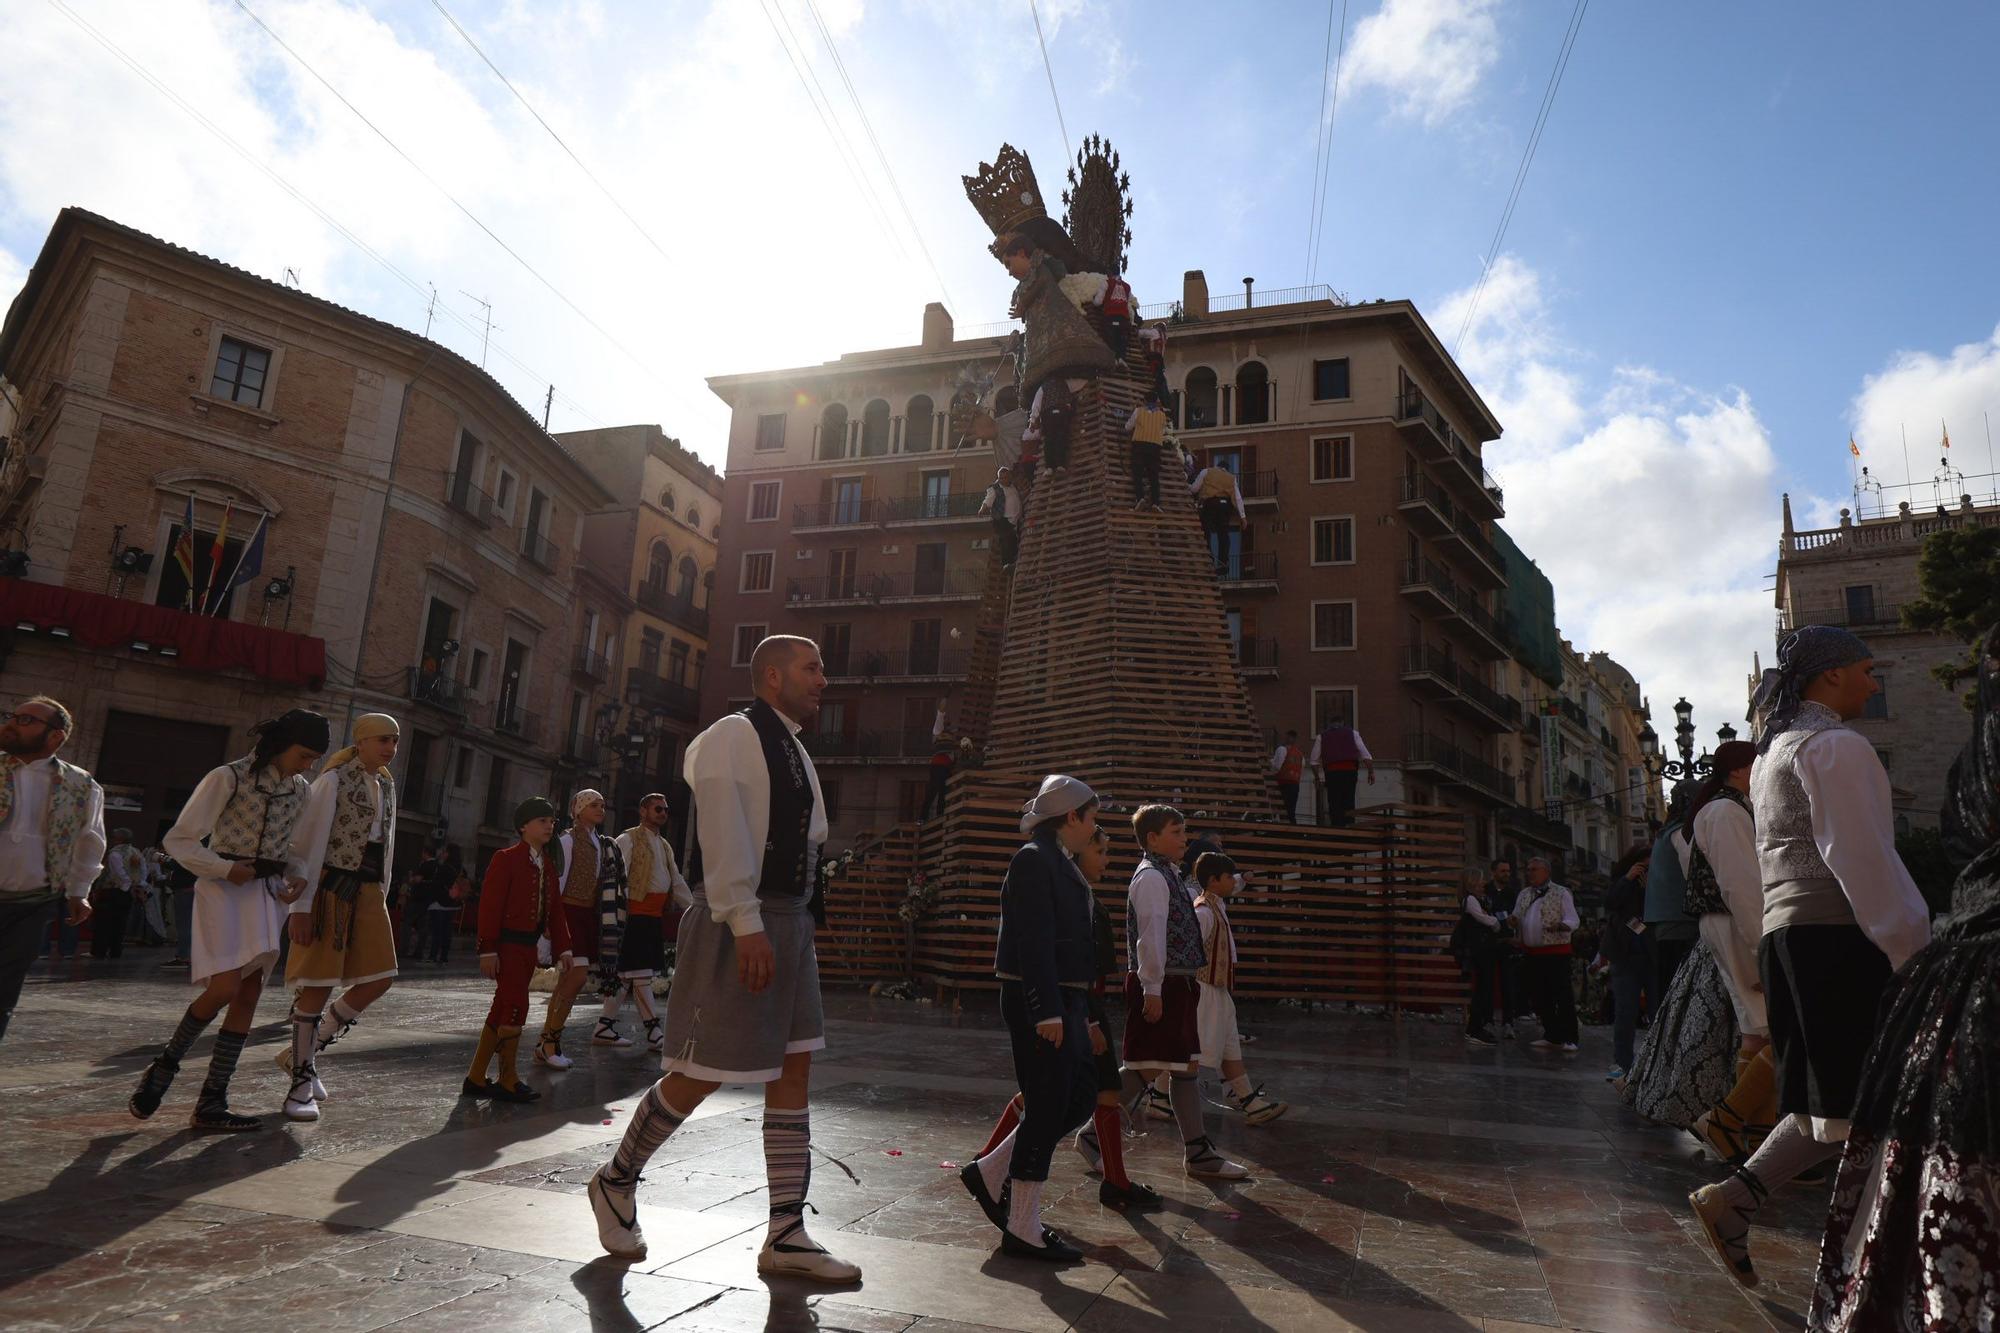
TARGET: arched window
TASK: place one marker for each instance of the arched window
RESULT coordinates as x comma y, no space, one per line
833,432
1007,400
659,565
667,499
875,428
688,576
919,422
1199,396
1253,394
693,517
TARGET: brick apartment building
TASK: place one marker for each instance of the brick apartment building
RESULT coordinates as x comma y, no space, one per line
1860,575
658,543
1368,583
420,556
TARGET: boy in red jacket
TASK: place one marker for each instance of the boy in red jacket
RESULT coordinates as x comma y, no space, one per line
519,901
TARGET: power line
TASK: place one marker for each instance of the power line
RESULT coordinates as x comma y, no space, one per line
1527,160
603,189
840,67
822,106
1316,233
470,216
1050,70
187,108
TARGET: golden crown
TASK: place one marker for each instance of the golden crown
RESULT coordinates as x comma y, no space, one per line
1005,191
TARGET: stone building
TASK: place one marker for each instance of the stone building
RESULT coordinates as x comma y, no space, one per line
658,542
419,556
1860,575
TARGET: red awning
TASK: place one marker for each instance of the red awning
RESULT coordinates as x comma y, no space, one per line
204,643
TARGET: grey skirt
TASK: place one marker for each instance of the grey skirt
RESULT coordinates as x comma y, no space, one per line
716,1029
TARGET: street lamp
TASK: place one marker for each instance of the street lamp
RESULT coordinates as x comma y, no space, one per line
1688,766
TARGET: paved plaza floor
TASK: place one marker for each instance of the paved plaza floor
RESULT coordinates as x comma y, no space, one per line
1416,1184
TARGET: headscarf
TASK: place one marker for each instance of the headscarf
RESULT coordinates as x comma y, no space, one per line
1803,654
1059,795
366,727
583,798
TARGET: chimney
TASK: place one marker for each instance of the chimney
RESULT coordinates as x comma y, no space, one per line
937,327
1248,283
1194,294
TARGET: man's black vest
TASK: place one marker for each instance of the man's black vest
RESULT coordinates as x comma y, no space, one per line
789,856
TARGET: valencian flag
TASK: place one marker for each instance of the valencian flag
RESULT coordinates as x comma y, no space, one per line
184,554
251,563
215,556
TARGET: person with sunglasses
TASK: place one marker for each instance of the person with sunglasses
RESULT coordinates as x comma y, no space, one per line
51,838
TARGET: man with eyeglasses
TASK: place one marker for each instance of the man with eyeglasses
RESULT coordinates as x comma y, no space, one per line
653,887
51,838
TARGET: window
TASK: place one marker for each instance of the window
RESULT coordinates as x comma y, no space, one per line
496,795
847,500
836,643
649,651
919,426
1332,626
937,495
875,428
659,560
462,778
688,575
1333,541
1253,394
209,593
1200,394
764,500
834,719
693,519
573,745
840,567
747,639
465,469
438,624
475,673
1878,703
667,500
417,769
757,568
1330,379
926,639
833,432
1008,399
1331,706
1860,605
240,370
770,432
829,791
929,580
503,491
1333,458
910,798
677,663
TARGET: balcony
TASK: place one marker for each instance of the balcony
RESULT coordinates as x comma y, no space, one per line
1479,627
436,689
913,509
1425,506
1426,583
1869,614
1250,571
539,549
1471,480
1486,566
930,585
896,664
836,515
420,798
1438,674
644,688
867,747
1420,422
1426,753
1257,657
582,752
588,665
468,500
844,591
509,719
1259,488
668,606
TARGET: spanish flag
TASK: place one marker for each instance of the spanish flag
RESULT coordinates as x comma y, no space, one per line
1852,447
215,556
184,554
1947,433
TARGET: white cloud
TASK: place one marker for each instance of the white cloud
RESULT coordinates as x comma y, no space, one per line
1651,505
1428,56
1923,393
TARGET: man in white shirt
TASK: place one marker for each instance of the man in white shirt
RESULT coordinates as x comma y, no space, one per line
1545,918
654,888
51,838
745,1007
117,889
1840,915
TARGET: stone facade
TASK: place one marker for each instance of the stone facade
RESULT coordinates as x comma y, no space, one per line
1860,575
420,524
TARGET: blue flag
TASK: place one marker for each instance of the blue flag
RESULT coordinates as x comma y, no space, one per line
251,563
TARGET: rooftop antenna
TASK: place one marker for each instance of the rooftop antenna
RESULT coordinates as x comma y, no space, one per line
487,327
548,403
430,308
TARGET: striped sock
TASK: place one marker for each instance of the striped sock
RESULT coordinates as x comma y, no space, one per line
788,1168
653,1123
221,1068
192,1026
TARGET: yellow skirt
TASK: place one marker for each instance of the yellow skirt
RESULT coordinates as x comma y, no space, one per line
367,943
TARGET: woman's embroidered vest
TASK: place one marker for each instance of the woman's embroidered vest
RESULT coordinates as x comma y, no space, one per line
639,870
258,818
1219,969
1184,951
69,802
1704,890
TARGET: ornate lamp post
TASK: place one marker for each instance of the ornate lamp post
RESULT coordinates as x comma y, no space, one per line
1688,767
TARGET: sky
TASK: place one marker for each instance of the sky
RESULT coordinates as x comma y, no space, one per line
1747,233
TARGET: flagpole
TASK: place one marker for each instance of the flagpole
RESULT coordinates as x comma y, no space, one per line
244,554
